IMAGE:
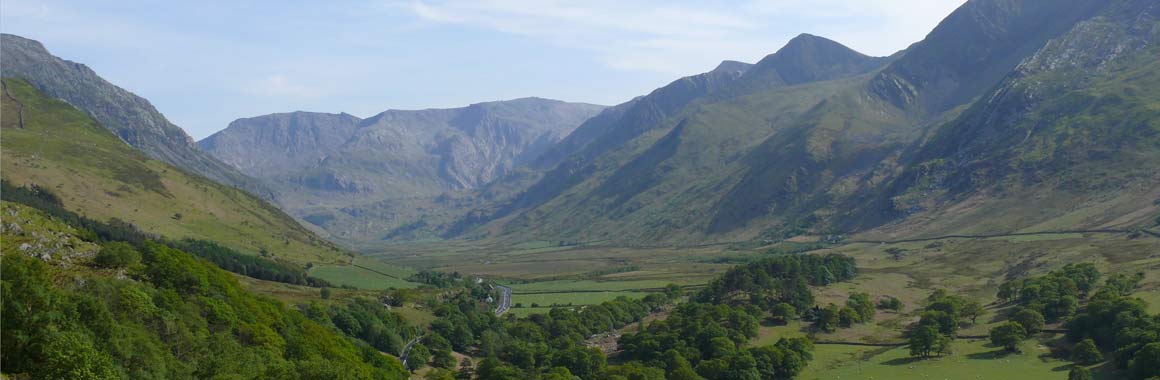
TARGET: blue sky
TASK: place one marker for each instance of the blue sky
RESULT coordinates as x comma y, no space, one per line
206,63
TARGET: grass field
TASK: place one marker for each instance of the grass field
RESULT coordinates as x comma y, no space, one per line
358,277
367,274
972,360
526,311
573,285
587,298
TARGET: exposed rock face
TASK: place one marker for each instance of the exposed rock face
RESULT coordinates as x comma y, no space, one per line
974,48
130,117
279,144
362,169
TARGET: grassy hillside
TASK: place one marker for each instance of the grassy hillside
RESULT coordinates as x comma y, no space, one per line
164,314
49,143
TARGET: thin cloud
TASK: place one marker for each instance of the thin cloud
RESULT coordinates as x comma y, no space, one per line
281,86
678,38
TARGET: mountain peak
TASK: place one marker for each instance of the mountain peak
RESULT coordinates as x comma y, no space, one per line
809,58
732,66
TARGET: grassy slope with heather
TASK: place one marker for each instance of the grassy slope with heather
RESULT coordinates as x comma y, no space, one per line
49,143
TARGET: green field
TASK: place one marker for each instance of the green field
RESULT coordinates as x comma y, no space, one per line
526,311
972,360
573,285
357,277
586,298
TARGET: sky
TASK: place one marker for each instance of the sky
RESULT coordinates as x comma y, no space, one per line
206,63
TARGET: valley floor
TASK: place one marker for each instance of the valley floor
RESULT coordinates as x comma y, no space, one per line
543,275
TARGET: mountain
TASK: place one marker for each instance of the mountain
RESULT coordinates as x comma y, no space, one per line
650,169
359,178
819,139
130,117
280,144
1069,139
49,143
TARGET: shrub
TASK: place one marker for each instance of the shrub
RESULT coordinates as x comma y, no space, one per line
117,255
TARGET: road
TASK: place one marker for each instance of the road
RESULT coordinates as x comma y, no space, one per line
505,300
407,349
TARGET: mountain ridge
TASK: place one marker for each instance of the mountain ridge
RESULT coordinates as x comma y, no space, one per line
132,118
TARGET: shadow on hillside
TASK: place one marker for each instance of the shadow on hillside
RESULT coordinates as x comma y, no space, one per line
904,361
990,355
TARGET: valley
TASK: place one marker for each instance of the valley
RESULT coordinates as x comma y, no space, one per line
981,204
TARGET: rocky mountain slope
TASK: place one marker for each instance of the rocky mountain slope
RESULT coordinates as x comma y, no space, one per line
366,178
1069,139
999,104
131,117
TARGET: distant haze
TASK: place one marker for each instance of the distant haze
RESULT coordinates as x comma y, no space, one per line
204,64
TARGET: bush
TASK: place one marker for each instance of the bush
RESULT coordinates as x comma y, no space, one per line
890,303
117,255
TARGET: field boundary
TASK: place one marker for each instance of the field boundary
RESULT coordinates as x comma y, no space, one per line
638,290
988,236
375,271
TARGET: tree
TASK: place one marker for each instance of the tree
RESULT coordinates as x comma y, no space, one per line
442,359
418,357
71,356
1079,373
861,303
1086,353
558,373
827,318
635,371
847,317
1146,363
971,309
1031,320
587,363
324,293
117,255
439,374
926,340
945,322
784,312
678,368
1008,335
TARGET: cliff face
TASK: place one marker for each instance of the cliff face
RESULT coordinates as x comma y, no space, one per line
340,171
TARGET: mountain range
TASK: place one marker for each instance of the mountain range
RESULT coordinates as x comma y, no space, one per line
360,177
1011,115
